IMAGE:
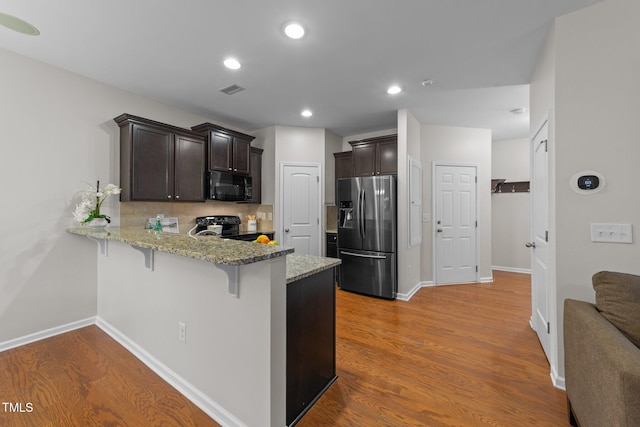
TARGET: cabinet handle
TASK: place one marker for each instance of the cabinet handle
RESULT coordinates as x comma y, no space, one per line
169,196
177,197
235,170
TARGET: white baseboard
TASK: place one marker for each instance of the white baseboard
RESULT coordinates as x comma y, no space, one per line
412,292
213,409
486,279
558,382
47,333
511,269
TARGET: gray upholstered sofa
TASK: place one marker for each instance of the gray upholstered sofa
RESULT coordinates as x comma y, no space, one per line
602,354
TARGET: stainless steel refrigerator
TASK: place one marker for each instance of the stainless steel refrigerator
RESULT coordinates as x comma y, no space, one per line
367,235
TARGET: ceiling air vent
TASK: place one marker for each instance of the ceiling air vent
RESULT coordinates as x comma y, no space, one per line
230,90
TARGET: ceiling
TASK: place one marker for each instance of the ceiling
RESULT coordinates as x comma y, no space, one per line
479,54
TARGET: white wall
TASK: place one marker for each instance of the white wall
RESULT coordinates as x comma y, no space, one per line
300,145
235,348
266,139
588,78
58,134
510,212
409,268
459,145
333,144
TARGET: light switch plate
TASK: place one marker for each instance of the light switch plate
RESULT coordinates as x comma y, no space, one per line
612,233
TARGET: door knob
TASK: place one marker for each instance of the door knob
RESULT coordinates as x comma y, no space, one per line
286,230
439,230
530,244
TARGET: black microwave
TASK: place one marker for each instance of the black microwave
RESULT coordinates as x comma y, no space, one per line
228,187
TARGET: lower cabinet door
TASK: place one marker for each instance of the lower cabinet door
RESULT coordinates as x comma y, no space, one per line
311,341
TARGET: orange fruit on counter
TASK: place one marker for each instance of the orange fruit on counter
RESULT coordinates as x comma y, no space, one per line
263,239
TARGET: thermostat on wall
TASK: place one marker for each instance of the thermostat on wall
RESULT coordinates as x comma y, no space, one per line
587,182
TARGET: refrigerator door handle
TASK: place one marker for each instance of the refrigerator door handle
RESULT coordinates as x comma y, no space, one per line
362,213
363,255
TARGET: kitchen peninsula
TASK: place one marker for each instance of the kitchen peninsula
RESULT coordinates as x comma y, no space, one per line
221,321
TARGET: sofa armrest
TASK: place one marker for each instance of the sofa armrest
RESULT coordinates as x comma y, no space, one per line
602,368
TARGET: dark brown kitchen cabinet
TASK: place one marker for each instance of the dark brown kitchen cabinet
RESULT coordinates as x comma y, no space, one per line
375,156
228,150
343,164
311,341
255,166
160,162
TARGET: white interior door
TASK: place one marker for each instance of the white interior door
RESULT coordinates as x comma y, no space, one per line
540,237
455,224
300,207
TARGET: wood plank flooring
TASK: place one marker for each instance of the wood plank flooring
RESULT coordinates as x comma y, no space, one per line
84,378
459,355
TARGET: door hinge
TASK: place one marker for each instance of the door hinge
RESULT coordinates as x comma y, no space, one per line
546,147
476,179
317,179
476,268
546,236
318,221
548,327
476,224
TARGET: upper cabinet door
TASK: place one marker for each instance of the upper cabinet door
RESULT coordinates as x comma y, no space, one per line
229,150
387,158
241,156
344,164
375,156
364,160
220,152
160,162
151,165
189,169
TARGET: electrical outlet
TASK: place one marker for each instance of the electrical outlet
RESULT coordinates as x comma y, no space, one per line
182,332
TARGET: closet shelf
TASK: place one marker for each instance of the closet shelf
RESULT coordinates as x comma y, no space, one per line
504,186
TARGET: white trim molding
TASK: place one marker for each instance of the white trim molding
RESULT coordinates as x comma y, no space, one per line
413,291
511,269
47,333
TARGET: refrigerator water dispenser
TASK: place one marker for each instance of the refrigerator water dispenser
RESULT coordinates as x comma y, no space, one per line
345,215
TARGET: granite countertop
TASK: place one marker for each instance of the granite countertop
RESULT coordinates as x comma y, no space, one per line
300,266
213,249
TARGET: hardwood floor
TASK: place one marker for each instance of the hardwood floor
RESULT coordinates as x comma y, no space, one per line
85,378
459,355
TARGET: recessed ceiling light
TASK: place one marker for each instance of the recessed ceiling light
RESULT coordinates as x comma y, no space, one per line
427,82
306,113
394,90
294,30
17,24
232,63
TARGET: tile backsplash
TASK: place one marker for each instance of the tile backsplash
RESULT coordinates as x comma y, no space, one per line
135,214
331,218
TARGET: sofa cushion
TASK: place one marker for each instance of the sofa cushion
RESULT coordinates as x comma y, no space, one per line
618,299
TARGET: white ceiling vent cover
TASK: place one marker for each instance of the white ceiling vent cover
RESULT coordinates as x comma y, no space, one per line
230,90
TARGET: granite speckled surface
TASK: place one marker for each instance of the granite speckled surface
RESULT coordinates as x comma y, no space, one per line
300,265
207,248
